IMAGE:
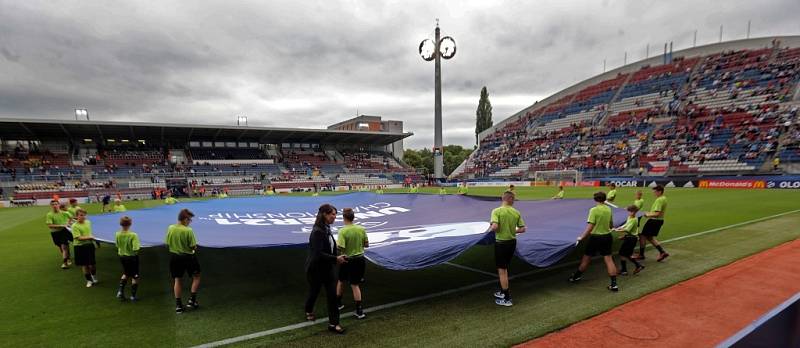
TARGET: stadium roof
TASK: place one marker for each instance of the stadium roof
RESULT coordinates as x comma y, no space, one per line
44,129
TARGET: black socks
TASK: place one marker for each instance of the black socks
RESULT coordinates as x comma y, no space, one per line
134,287
613,280
623,266
194,297
660,249
87,276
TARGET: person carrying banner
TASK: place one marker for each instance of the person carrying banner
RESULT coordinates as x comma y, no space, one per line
351,242
506,222
598,231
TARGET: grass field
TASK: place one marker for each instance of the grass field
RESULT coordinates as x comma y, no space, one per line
251,290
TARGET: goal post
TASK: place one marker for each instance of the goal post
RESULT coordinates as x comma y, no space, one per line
569,177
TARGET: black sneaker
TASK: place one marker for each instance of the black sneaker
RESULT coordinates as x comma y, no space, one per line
613,287
662,257
341,306
623,273
193,305
638,269
360,315
574,278
179,309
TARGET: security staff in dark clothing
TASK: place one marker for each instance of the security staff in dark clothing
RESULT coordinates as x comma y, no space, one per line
320,264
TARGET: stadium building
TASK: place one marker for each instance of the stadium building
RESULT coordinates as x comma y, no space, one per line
90,159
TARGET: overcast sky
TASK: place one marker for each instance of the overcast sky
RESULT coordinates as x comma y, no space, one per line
314,63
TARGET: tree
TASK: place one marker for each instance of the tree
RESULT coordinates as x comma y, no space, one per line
483,116
453,156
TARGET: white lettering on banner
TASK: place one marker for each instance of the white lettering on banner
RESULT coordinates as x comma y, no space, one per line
393,210
256,222
364,212
285,222
367,215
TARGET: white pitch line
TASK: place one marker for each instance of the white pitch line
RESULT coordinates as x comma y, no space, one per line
471,269
456,290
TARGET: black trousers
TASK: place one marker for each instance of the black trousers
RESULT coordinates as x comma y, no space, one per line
317,279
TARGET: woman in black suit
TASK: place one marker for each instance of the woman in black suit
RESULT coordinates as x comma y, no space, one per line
320,264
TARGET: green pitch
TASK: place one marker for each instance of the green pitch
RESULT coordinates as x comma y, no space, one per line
253,290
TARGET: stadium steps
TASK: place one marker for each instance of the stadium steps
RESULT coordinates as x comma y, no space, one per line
607,113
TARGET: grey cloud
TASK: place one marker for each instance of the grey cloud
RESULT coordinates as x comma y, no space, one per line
310,64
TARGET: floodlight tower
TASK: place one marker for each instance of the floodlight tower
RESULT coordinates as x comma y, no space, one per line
435,50
81,113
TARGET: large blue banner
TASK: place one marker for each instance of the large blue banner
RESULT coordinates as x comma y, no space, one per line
406,231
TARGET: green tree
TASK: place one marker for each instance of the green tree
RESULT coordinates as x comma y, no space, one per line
453,156
423,159
483,116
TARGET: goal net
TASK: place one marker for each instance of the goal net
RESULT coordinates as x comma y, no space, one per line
569,177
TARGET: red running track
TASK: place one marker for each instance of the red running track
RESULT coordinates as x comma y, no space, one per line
700,312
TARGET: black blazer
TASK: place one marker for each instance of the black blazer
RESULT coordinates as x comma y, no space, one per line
320,257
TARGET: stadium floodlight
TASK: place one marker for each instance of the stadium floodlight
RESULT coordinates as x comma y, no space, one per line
241,120
435,50
81,113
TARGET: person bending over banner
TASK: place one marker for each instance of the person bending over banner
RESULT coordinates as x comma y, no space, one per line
612,193
560,194
463,189
351,242
653,225
182,246
322,259
506,222
598,229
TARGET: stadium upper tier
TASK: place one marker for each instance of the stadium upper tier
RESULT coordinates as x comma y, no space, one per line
722,108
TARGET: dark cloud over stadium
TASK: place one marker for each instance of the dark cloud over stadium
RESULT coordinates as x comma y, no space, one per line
316,63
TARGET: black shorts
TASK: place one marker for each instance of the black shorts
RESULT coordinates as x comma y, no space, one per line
61,237
130,266
652,227
628,244
353,271
183,263
84,255
599,244
503,252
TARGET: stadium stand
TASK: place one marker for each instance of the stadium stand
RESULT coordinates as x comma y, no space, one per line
716,111
40,159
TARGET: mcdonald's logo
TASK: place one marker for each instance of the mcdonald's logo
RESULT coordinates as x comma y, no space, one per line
759,184
703,184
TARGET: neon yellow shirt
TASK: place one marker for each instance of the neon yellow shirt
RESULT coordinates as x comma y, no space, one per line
660,204
127,243
351,239
507,219
82,230
180,239
600,217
